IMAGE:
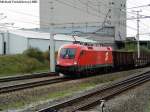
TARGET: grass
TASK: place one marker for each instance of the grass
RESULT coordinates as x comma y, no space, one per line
20,64
56,92
51,95
148,108
70,91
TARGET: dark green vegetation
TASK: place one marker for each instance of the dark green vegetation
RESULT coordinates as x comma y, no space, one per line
32,60
132,46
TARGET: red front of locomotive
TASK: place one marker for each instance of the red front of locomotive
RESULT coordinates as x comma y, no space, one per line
77,59
67,60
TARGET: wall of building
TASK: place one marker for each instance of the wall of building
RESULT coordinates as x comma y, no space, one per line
59,43
69,11
1,44
17,44
85,15
43,44
17,41
119,18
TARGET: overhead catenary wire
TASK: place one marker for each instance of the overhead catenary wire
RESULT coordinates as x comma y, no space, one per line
25,14
92,8
71,6
75,7
141,6
130,27
58,24
145,6
70,27
48,23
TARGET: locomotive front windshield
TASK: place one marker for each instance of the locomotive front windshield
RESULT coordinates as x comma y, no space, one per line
67,53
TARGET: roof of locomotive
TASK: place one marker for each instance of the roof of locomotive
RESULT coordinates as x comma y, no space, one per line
88,47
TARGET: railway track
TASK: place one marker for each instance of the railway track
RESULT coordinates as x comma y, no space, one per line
12,88
36,75
10,84
89,100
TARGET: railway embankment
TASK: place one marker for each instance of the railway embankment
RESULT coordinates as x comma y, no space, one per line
35,98
30,61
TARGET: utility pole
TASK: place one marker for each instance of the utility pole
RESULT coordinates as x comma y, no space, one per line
51,28
138,32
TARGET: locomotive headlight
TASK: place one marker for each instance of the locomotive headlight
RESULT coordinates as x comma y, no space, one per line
75,63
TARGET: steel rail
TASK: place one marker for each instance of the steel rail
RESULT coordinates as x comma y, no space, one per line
23,77
112,93
31,84
94,97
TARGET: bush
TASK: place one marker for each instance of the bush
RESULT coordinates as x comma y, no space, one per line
47,56
16,64
145,49
30,65
34,53
132,46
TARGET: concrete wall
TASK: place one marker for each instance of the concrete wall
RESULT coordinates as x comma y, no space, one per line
1,44
17,44
119,18
71,11
85,15
43,44
3,38
58,44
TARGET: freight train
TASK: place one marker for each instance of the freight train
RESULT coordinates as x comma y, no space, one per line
81,59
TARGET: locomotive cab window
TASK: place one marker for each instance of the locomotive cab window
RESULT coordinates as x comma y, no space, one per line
68,53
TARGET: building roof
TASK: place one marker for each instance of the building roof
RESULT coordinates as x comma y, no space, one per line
42,35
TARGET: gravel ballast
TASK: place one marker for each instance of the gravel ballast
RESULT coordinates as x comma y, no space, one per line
134,100
32,99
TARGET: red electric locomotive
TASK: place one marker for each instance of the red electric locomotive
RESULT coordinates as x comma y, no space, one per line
77,59
80,59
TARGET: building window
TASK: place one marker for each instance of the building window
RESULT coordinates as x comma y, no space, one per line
111,3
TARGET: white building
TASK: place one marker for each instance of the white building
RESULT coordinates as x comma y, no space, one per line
85,16
17,41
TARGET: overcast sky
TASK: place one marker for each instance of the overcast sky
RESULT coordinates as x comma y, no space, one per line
144,23
26,15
